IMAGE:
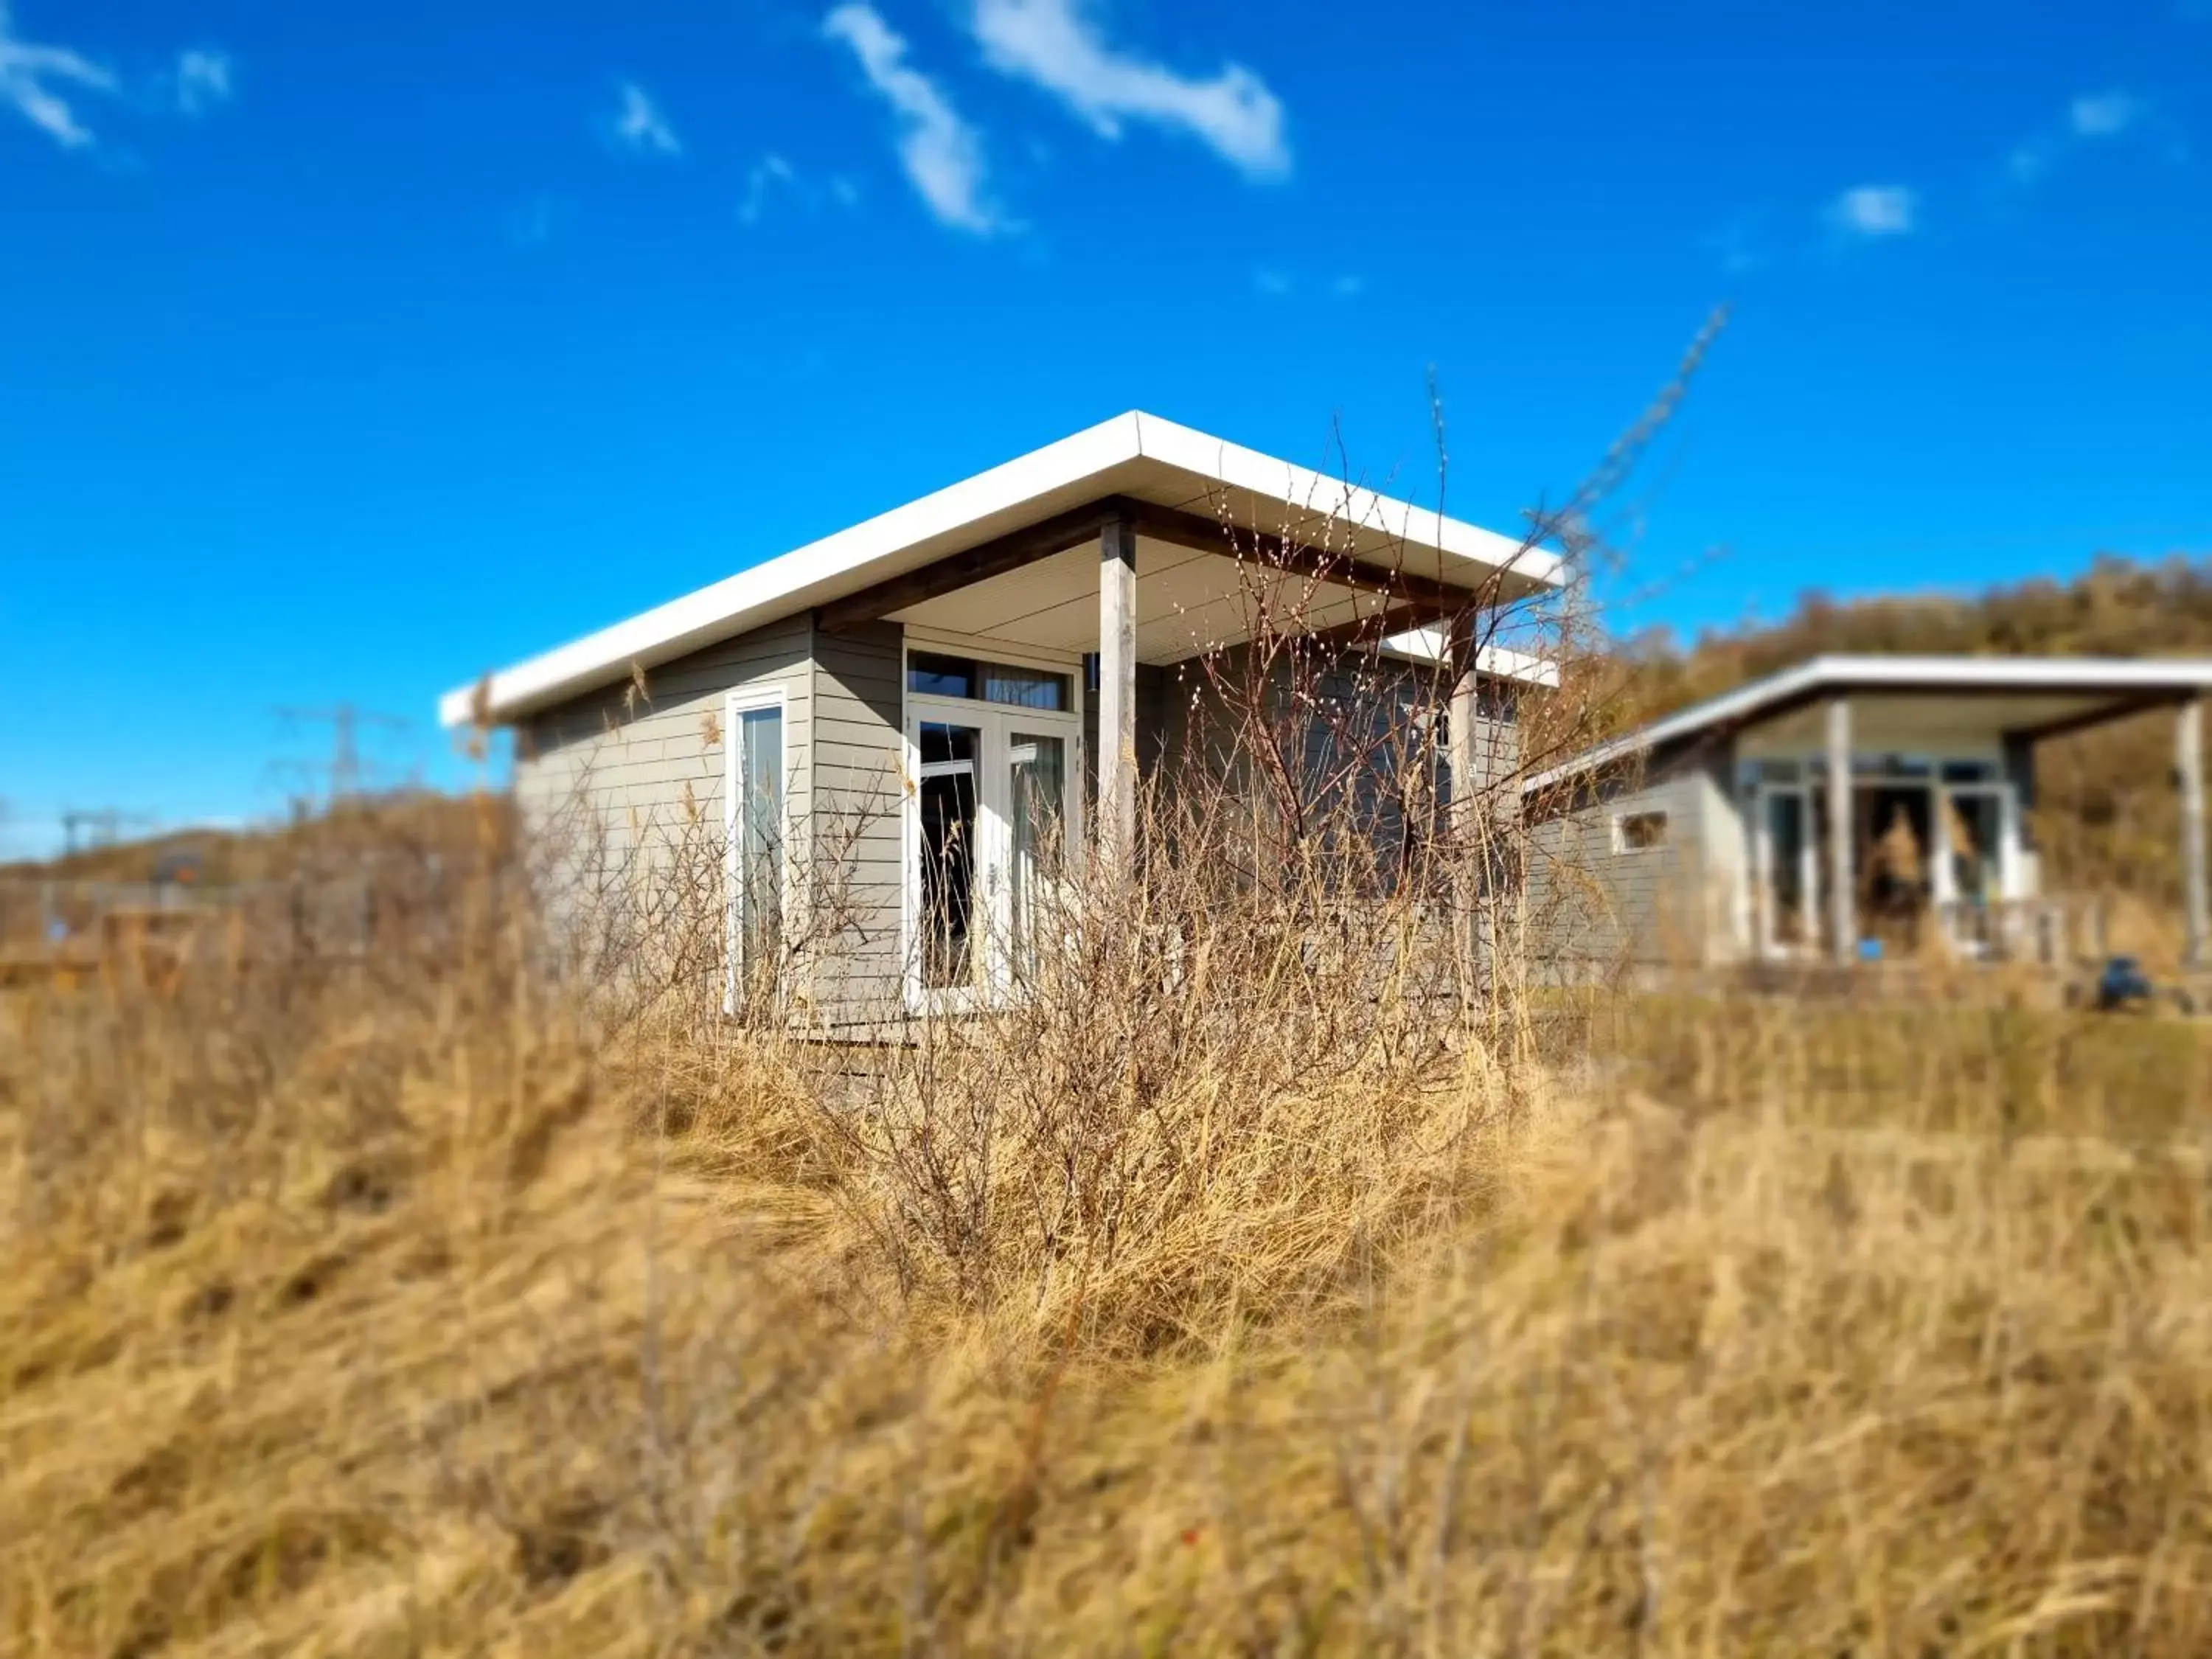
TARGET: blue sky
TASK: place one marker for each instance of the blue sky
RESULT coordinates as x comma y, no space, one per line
346,352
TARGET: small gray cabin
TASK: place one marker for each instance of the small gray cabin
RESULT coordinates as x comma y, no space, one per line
978,669
1846,806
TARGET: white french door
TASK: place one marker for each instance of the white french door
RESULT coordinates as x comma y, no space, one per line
1786,861
992,817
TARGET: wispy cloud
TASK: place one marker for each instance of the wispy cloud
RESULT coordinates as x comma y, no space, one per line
942,154
201,80
1278,284
33,78
1873,211
638,125
1058,45
2090,119
772,177
2104,114
770,172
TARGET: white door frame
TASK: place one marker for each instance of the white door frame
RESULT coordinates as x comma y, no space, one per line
990,981
735,705
1769,942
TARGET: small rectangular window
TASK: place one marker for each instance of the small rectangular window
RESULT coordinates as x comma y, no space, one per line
940,676
1636,832
1969,771
1024,688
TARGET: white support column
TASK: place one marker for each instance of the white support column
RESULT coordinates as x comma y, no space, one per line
1842,899
1117,690
2188,764
1464,759
1471,838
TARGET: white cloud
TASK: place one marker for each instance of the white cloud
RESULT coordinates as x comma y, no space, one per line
2090,119
1271,281
30,75
942,154
1058,45
202,80
2103,115
1348,287
769,172
1873,210
641,128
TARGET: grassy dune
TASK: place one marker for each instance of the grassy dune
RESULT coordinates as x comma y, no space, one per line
387,1311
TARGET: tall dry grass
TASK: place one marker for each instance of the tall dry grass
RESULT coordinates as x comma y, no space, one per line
410,1302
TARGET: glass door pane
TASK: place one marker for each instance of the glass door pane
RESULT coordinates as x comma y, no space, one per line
950,856
760,836
1785,866
1037,770
1976,826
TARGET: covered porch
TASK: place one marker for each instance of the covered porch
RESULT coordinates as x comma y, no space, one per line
1045,674
1887,810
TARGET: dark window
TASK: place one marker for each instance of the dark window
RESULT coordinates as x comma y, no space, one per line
1969,771
959,677
1633,832
947,745
940,676
1024,688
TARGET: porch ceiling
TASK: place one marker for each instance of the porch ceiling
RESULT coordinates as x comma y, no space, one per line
1908,724
1187,602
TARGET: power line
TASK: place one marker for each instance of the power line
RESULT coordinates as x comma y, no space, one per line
344,770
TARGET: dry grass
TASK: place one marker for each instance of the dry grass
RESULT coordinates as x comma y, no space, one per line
397,1307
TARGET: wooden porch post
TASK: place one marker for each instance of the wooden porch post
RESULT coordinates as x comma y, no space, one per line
1843,907
2189,762
1117,690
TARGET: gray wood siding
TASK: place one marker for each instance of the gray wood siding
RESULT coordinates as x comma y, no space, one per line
1590,898
648,767
622,792
860,820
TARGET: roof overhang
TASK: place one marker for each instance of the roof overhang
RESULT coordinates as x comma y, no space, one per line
2031,697
1178,476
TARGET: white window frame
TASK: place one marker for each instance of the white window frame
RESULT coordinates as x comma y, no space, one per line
750,699
1621,847
992,760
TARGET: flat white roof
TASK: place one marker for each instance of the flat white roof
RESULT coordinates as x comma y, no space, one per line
2085,677
1426,645
1137,455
